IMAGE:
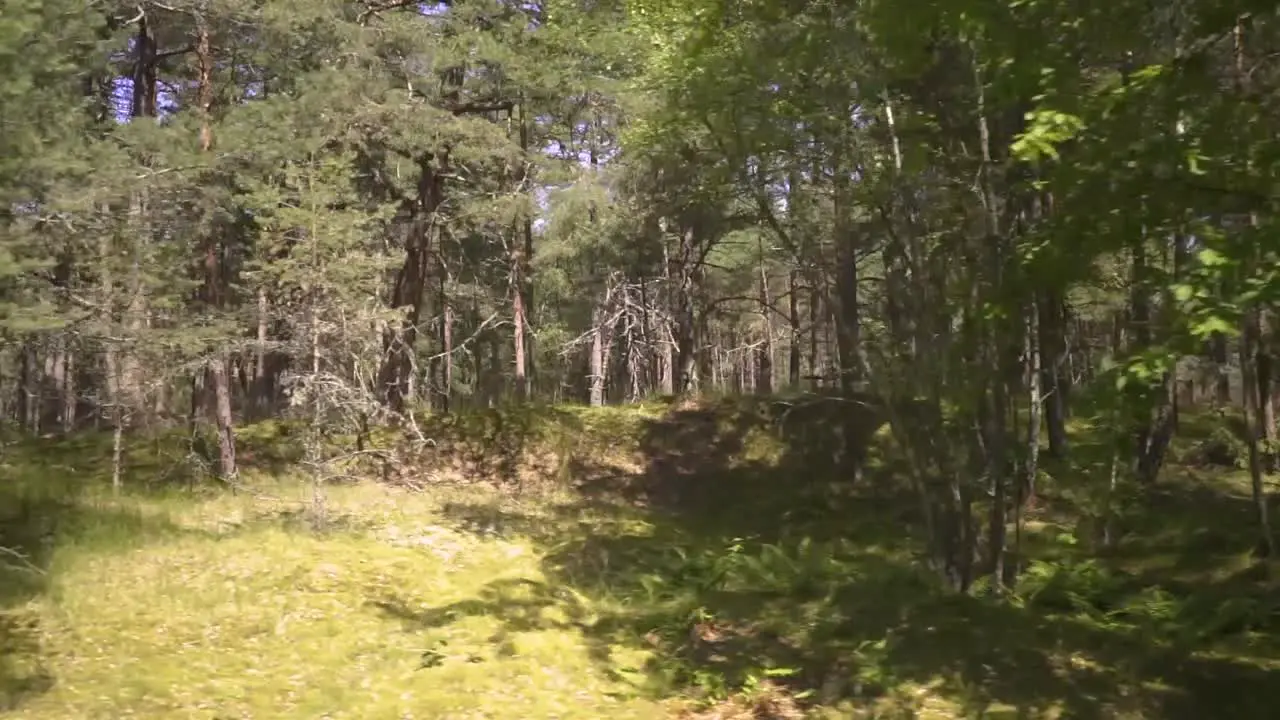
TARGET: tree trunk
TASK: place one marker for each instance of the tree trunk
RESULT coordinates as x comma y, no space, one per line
686,330
522,300
409,288
1031,463
213,280
518,326
1222,365
847,320
793,316
765,366
445,361
814,315
260,390
597,358
1266,383
1054,381
1254,424
1155,425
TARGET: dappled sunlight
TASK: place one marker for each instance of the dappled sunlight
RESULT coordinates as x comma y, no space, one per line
704,577
272,623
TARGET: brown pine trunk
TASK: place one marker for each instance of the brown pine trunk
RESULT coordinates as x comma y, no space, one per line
213,279
523,299
143,100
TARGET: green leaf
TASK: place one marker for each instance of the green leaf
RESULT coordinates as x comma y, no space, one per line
1211,325
1212,258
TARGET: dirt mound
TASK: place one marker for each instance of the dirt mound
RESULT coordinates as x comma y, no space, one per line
677,454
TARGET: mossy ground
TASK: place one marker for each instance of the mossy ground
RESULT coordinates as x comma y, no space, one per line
684,556
221,606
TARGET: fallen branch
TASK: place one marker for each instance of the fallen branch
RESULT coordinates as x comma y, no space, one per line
26,564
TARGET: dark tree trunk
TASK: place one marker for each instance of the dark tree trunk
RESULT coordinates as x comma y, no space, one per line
1054,381
409,289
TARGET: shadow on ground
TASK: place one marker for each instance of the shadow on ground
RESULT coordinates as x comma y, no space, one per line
743,554
42,509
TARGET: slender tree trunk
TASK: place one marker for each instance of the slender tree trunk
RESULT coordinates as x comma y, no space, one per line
524,285
1155,426
765,370
446,345
653,377
29,394
1222,366
213,270
793,316
497,378
814,315
1054,380
518,327
685,315
70,403
260,391
597,357
847,318
1030,468
1266,386
1254,424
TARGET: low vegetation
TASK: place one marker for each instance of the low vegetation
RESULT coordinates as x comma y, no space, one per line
930,353
653,577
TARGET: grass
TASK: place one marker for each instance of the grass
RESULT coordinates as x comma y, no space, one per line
232,607
690,560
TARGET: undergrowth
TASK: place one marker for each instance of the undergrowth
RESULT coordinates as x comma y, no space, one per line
708,561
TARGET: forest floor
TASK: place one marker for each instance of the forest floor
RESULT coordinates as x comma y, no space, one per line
673,562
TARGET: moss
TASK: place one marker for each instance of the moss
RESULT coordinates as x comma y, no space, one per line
732,566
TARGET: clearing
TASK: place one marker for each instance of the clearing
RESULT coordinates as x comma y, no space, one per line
640,562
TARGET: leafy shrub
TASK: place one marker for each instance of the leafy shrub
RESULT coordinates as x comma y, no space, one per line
1084,586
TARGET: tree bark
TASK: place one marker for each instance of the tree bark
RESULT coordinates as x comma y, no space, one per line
213,280
597,357
847,319
1254,424
407,293
793,317
685,378
765,365
1054,381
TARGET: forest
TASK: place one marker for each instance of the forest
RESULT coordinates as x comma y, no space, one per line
714,359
